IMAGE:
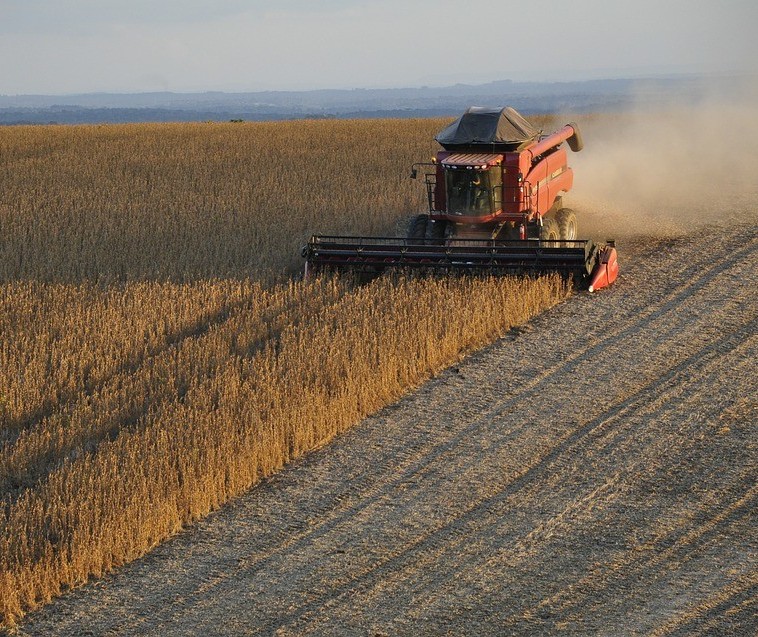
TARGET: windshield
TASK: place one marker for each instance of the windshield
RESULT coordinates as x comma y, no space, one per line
469,192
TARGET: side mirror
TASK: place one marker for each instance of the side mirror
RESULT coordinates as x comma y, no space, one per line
414,173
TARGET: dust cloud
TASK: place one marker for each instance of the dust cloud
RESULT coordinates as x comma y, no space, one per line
668,170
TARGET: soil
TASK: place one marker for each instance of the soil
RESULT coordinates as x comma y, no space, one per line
592,473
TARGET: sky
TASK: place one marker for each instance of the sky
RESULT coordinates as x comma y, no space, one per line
58,47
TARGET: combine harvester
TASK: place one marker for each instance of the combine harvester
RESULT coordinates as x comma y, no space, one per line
495,205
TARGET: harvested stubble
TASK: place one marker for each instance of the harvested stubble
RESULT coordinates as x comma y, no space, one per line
131,408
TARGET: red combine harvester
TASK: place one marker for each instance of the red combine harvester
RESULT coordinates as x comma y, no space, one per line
495,204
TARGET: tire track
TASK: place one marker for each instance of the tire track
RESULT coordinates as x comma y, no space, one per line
452,534
735,605
674,546
606,443
590,596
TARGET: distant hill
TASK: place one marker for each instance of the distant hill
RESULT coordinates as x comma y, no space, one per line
528,97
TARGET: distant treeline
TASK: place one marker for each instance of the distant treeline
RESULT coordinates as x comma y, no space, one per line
527,97
80,115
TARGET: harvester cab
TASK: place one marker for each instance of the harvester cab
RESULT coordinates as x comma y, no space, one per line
494,195
473,191
498,177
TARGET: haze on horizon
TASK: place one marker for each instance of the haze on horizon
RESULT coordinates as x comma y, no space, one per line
85,46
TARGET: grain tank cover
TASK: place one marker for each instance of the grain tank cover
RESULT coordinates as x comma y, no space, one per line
501,129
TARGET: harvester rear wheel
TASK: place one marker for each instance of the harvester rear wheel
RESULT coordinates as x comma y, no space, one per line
567,224
417,227
550,230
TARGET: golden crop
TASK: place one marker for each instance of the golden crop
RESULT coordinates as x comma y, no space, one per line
192,201
157,360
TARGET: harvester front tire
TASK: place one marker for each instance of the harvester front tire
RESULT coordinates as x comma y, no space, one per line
417,227
567,224
550,230
435,232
